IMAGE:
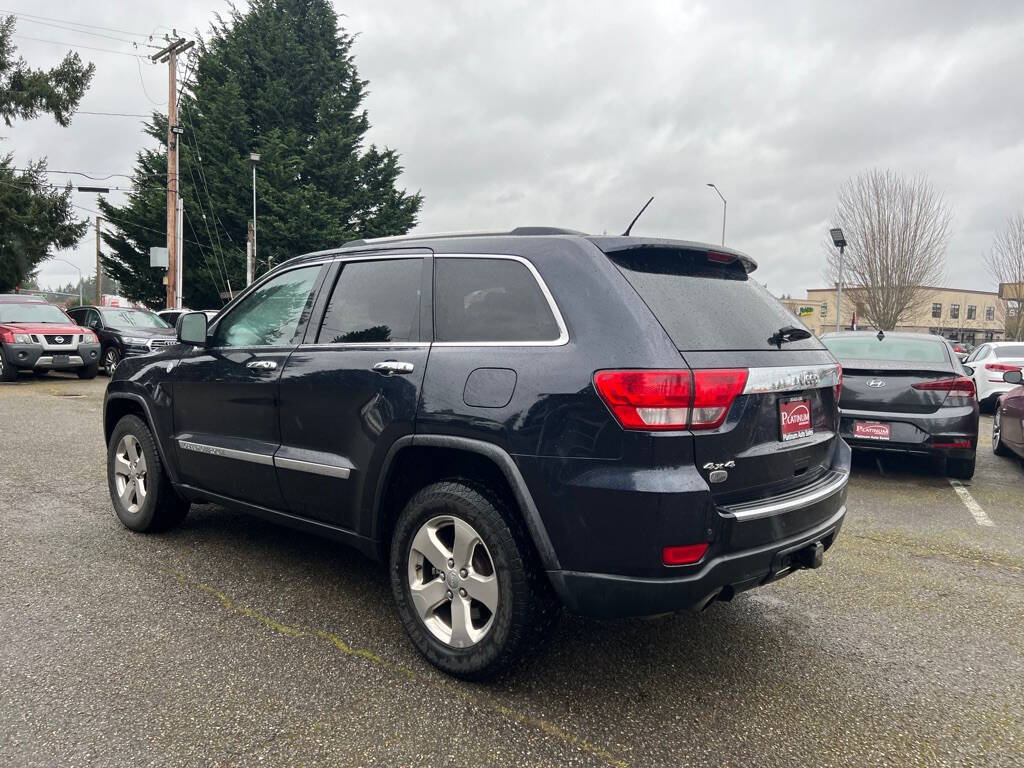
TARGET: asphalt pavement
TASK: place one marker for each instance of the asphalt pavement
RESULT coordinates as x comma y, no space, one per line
230,641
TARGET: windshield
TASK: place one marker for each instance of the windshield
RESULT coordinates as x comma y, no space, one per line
131,318
33,313
895,350
1014,350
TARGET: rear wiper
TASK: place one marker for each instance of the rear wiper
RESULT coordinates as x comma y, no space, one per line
788,333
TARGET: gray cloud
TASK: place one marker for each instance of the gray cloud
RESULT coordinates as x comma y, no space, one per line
510,113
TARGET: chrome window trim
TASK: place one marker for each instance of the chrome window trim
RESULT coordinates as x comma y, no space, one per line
789,378
226,453
563,332
313,467
755,511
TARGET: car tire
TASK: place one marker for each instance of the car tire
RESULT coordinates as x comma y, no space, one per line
111,357
998,447
88,371
7,371
960,469
525,608
150,503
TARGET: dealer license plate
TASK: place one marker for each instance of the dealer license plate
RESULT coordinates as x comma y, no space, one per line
871,430
795,419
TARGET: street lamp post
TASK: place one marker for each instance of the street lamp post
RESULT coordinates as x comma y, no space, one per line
65,261
840,242
251,265
725,206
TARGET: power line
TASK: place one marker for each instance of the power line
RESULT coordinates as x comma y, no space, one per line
78,31
142,82
77,173
78,46
76,23
111,114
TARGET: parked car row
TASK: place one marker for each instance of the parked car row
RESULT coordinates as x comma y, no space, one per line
40,337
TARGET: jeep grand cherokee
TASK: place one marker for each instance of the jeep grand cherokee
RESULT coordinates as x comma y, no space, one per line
623,425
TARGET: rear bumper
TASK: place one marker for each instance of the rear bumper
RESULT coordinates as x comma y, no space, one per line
758,542
941,433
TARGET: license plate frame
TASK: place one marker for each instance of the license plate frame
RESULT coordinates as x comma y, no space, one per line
880,431
793,424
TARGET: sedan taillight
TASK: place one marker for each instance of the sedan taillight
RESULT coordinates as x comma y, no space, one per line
1002,367
670,399
957,388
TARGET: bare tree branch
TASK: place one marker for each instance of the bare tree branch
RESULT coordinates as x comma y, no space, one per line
1005,263
896,231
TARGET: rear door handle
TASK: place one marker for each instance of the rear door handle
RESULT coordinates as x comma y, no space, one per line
263,365
390,367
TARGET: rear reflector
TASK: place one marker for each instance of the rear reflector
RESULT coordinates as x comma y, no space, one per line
957,444
663,400
684,555
961,386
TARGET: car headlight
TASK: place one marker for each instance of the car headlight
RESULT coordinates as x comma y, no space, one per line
22,338
136,340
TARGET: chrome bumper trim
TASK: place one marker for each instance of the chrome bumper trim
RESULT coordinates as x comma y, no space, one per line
754,510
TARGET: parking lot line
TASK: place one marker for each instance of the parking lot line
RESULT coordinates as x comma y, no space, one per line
972,506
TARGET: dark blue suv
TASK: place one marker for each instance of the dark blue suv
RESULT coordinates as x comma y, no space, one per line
623,425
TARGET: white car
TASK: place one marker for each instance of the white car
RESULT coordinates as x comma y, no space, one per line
989,362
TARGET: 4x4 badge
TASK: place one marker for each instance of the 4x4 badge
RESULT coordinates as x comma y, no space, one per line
720,465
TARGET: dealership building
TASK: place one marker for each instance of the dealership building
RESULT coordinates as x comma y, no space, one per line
958,314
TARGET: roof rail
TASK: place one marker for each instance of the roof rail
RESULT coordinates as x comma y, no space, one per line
517,232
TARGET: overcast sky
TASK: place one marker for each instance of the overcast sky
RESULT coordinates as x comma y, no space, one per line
573,113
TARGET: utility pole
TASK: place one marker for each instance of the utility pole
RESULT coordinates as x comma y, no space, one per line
169,54
99,270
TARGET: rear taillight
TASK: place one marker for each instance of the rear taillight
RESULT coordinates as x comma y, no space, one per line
661,400
647,399
961,387
1001,367
684,555
713,393
839,381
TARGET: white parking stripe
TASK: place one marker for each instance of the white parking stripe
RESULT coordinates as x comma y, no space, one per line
972,506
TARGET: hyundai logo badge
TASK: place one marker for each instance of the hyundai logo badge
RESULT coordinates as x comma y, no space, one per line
876,383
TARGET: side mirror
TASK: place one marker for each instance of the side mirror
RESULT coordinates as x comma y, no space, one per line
1013,377
969,369
192,329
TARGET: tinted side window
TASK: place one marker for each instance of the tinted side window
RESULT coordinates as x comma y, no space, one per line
271,314
480,299
374,301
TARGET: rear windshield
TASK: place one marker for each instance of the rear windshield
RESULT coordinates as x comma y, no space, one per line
1014,350
704,305
890,349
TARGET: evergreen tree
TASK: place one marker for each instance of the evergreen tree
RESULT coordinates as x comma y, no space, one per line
279,80
34,216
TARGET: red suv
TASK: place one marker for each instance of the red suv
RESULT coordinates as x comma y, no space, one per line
36,336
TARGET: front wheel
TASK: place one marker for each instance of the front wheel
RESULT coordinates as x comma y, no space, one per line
469,589
7,371
144,499
111,357
998,448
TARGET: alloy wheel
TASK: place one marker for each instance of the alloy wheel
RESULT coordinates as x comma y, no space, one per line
996,427
110,361
130,474
452,581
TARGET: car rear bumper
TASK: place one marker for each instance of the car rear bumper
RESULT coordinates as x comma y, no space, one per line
758,542
35,357
949,431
